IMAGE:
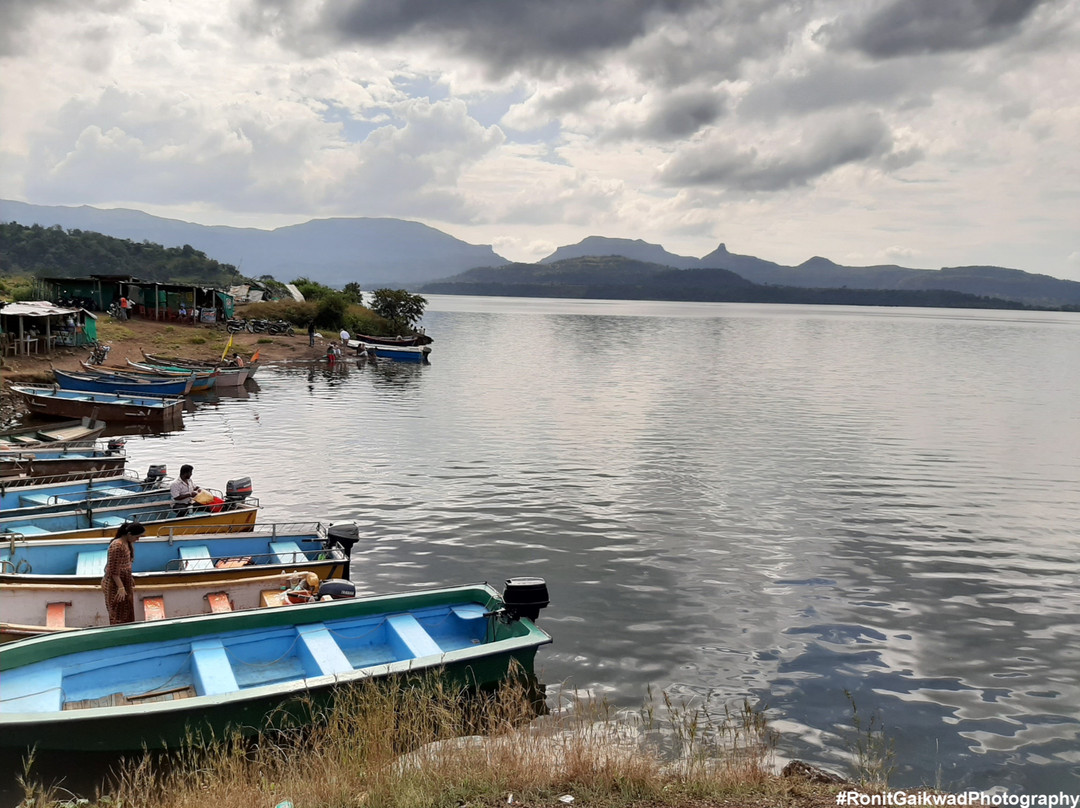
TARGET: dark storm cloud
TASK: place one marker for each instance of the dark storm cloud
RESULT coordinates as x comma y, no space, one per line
503,34
676,117
840,144
907,27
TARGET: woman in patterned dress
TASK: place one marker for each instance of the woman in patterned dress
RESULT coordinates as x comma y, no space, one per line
119,583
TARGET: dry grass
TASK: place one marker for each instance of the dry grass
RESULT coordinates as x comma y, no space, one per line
424,747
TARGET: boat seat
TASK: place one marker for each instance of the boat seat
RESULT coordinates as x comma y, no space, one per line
56,614
196,558
287,552
469,611
109,521
29,530
153,608
273,597
411,637
91,562
111,492
211,669
35,499
319,651
219,602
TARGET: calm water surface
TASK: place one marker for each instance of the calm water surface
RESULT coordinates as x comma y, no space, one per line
777,503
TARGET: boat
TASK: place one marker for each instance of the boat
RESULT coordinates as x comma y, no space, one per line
107,383
31,610
225,376
185,555
57,493
84,428
52,400
158,519
201,364
399,353
200,381
178,681
414,339
66,458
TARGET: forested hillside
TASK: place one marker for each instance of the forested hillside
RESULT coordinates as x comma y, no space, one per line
55,252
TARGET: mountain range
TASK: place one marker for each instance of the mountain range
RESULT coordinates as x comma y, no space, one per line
403,254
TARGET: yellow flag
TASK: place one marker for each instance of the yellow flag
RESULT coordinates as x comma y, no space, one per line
228,347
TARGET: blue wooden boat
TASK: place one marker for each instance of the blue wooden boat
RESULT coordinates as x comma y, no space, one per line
399,353
200,380
224,376
34,500
174,681
183,556
53,401
105,383
63,458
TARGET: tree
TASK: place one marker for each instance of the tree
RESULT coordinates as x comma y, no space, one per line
353,293
402,309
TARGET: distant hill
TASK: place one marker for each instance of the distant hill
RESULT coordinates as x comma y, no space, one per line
821,273
372,252
403,254
617,278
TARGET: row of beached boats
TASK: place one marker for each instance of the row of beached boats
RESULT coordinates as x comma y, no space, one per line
140,392
235,619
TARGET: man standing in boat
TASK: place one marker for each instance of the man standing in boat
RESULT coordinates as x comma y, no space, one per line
183,490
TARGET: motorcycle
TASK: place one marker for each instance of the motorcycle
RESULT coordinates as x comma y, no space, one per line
237,324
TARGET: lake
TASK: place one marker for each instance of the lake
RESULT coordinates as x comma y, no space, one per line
783,504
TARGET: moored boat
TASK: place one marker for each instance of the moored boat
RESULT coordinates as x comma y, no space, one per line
54,401
175,681
199,380
185,555
225,376
105,383
399,353
251,365
415,339
157,518
62,491
65,458
78,429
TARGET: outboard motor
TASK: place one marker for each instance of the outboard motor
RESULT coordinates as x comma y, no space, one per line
155,474
344,536
337,589
238,490
525,597
115,445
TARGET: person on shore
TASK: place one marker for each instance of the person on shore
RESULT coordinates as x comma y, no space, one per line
331,352
311,333
183,312
183,490
119,582
344,338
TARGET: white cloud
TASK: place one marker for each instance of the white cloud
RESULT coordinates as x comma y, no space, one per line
898,131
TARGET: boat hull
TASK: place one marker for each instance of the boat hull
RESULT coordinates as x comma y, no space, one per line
399,353
100,383
43,463
59,689
58,403
103,524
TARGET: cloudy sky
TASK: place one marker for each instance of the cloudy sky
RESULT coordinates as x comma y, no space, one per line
921,132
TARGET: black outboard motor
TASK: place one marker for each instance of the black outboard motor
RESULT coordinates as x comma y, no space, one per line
155,474
238,490
344,536
337,589
525,597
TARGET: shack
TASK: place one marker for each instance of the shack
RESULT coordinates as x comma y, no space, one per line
39,326
151,299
